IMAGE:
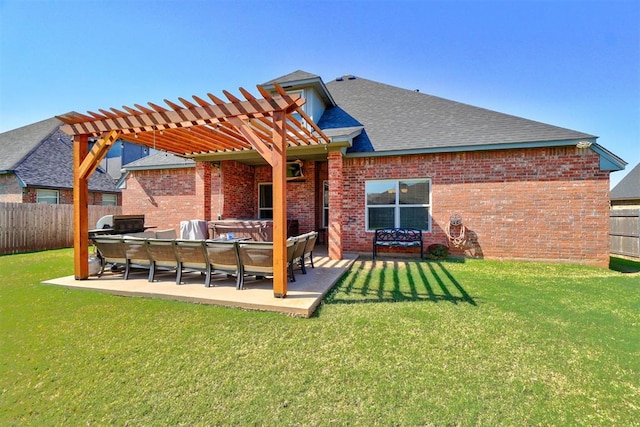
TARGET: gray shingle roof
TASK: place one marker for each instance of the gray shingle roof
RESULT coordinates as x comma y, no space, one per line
160,159
401,119
292,77
17,143
42,156
629,187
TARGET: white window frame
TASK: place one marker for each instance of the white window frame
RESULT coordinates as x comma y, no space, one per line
110,198
51,197
396,205
260,208
325,204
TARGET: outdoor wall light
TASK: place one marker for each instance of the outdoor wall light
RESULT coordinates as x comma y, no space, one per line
583,144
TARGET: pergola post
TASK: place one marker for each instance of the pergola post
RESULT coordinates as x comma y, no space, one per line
84,164
279,177
80,209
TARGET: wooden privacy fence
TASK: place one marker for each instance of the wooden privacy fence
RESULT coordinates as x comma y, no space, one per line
625,232
28,227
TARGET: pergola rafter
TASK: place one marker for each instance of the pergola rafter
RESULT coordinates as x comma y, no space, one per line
266,125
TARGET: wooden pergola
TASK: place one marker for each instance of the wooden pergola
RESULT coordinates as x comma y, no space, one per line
266,125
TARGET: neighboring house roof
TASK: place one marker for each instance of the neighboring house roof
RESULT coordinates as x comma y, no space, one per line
17,143
166,160
629,187
400,119
158,160
41,156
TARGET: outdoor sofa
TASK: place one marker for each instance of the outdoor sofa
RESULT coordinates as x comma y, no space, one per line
237,258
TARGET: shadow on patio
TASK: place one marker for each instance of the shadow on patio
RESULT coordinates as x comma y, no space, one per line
397,281
303,296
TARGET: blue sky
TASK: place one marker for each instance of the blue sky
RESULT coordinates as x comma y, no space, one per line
574,64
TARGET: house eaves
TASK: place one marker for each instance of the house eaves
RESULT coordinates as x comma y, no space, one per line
343,134
301,79
608,161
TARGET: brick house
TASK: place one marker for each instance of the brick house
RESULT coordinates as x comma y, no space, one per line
396,157
36,166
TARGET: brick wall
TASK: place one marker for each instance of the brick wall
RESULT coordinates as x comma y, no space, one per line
169,196
165,197
301,195
341,200
545,204
239,190
65,197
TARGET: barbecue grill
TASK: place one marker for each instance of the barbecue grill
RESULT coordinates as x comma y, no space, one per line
119,224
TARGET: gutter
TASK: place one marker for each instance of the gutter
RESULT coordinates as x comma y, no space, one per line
608,160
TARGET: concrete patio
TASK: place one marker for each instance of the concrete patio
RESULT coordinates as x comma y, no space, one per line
303,296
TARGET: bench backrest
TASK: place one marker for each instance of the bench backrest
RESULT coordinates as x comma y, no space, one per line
398,235
112,249
136,250
191,253
162,252
257,257
223,256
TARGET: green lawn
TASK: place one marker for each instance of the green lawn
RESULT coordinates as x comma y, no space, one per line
416,343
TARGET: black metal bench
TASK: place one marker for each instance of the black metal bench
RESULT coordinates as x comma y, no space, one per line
398,237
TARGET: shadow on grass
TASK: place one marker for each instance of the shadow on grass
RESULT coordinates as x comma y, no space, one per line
624,265
399,281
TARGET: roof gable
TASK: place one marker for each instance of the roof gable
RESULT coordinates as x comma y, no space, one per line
401,119
295,76
628,187
16,144
50,165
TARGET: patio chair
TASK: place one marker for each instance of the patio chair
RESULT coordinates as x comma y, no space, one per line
111,250
162,255
298,252
224,258
192,255
308,251
136,253
256,259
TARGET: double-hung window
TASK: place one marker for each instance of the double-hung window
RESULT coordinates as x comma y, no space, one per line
51,197
109,199
325,204
404,203
265,201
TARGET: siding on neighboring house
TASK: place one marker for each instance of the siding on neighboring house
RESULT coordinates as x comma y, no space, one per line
10,190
